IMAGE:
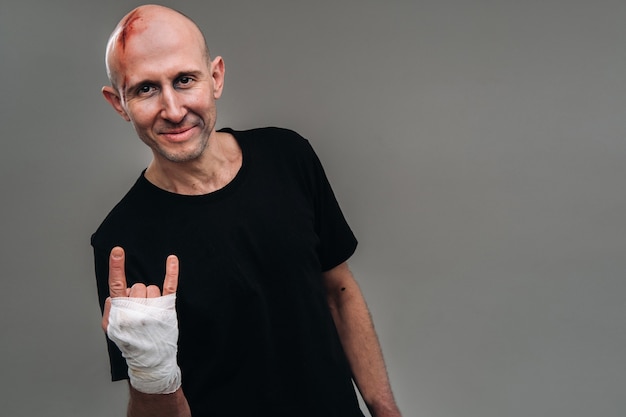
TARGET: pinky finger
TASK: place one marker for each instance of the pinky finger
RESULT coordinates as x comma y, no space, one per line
170,284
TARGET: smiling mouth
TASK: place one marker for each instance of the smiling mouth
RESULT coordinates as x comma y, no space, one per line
178,135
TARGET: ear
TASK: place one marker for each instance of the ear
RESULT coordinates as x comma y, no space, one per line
111,95
217,73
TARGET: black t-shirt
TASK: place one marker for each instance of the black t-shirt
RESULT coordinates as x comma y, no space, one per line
256,336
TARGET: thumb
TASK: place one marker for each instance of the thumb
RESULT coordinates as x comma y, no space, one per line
117,276
170,283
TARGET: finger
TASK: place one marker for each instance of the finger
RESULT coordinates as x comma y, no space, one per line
117,276
105,314
153,291
138,290
170,283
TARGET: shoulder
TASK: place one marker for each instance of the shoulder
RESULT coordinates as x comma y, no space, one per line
274,137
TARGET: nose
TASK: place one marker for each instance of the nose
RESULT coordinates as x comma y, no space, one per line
172,109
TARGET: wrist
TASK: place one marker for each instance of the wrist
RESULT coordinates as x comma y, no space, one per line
384,407
156,381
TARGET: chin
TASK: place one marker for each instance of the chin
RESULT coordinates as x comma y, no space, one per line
183,156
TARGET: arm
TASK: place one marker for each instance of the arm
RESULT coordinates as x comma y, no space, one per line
143,404
157,405
359,340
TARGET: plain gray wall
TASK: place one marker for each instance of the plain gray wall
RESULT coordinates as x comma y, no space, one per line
477,148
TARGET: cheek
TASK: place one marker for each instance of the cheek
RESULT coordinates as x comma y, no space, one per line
143,115
202,98
207,104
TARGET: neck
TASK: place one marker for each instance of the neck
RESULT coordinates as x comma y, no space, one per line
213,170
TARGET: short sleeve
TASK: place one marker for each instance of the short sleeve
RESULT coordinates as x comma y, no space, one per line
337,241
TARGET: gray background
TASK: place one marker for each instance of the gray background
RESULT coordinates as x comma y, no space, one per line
477,148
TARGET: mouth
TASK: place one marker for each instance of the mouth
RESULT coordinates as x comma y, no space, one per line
178,135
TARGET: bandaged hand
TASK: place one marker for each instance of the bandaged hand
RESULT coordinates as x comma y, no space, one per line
144,326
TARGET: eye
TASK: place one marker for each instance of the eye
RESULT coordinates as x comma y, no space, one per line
144,89
184,81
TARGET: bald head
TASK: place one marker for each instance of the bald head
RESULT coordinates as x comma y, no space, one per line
147,26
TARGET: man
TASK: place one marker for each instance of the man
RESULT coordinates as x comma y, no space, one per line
258,313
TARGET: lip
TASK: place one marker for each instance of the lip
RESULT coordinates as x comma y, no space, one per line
178,135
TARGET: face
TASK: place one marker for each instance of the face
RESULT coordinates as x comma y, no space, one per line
166,88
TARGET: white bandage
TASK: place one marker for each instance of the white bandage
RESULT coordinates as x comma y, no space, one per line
146,331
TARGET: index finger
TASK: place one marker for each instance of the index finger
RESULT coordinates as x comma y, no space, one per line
117,276
170,283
